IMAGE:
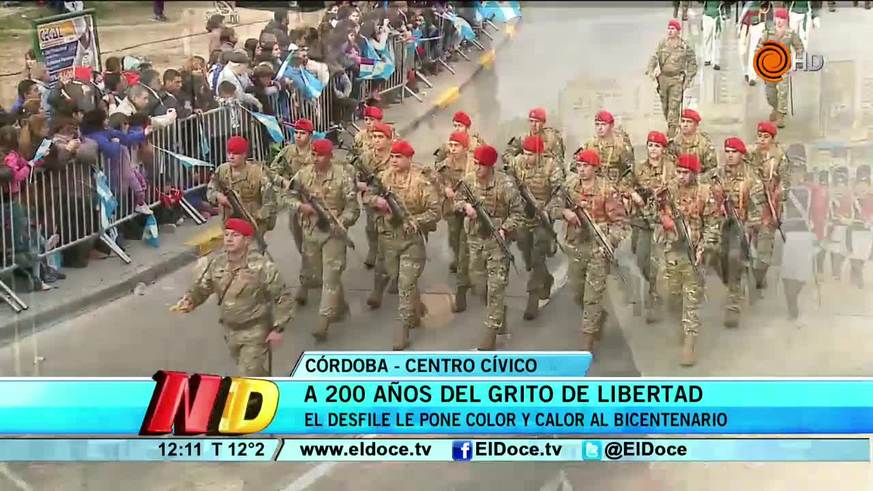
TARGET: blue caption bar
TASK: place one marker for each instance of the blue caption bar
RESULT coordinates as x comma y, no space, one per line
728,450
138,450
447,364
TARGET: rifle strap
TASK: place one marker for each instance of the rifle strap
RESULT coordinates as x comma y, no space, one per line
227,286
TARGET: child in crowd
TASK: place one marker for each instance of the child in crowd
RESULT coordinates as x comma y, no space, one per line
130,165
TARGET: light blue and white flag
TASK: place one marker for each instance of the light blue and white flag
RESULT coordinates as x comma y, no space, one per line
319,135
306,83
187,162
498,11
205,150
376,64
108,204
41,151
150,232
272,125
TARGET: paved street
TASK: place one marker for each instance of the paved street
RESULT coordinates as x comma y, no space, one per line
584,58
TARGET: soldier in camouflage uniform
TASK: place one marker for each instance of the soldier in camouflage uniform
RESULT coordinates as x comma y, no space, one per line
447,172
500,200
551,137
324,250
542,176
363,138
401,242
701,215
255,303
691,140
768,161
649,178
777,92
589,265
292,158
612,146
249,181
375,159
741,185
673,66
461,123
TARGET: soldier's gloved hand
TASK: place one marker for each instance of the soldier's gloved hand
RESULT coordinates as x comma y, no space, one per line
638,200
184,305
274,338
307,209
410,227
449,192
222,200
362,186
470,211
381,205
816,22
570,217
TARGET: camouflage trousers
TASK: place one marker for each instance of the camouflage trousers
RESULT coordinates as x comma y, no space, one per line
765,241
777,95
296,229
402,257
734,266
686,287
457,238
535,245
587,273
248,347
649,256
671,91
326,259
372,232
486,258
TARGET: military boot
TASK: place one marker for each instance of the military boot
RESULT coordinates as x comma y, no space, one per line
653,314
586,342
420,312
320,332
370,262
401,336
547,288
342,314
453,266
760,278
780,120
732,318
489,340
392,286
533,307
689,356
460,302
301,295
374,301
774,114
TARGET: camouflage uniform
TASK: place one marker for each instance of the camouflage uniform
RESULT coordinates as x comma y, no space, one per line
254,189
325,253
552,139
542,179
363,142
771,168
447,173
401,247
501,200
701,145
290,160
616,154
678,66
476,141
777,92
254,300
589,265
375,164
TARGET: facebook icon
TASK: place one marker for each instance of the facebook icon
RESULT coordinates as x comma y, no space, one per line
462,450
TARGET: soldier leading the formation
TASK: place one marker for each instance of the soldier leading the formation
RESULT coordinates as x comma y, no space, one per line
673,66
778,92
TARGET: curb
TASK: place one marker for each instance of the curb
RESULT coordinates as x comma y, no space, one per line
200,245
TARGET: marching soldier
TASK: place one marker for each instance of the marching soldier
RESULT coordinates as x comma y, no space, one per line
771,166
612,146
798,254
593,196
650,177
540,176
742,197
323,245
802,17
375,159
691,140
552,138
690,221
456,165
255,303
673,66
753,19
488,193
402,238
841,204
861,234
461,123
713,26
249,181
777,92
363,138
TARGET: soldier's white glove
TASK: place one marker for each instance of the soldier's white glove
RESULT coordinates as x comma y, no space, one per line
816,22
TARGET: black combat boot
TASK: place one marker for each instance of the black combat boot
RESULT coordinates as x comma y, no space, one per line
460,303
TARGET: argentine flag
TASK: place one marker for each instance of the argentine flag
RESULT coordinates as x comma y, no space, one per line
306,83
376,65
150,232
499,11
272,125
187,162
461,25
108,204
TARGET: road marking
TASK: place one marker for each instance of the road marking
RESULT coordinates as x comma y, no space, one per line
310,477
14,479
558,483
449,96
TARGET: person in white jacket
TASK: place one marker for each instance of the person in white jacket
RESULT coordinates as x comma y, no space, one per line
138,100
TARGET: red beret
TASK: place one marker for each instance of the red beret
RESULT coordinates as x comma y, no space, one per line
239,225
403,148
691,114
689,161
132,78
463,118
781,14
767,127
373,112
460,138
657,137
604,116
538,114
83,73
534,143
384,128
237,145
589,157
322,147
304,124
485,155
674,23
736,144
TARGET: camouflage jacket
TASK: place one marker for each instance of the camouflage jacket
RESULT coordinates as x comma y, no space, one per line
701,145
335,190
254,189
373,162
702,214
789,38
247,295
674,58
290,160
602,201
552,138
771,167
746,192
442,152
616,155
446,174
542,179
651,179
500,199
414,192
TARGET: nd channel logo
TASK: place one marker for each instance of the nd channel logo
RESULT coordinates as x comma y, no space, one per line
462,450
592,450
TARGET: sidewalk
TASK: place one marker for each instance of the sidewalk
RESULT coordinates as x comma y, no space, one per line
106,280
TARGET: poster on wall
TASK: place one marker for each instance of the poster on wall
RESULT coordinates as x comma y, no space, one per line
64,42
